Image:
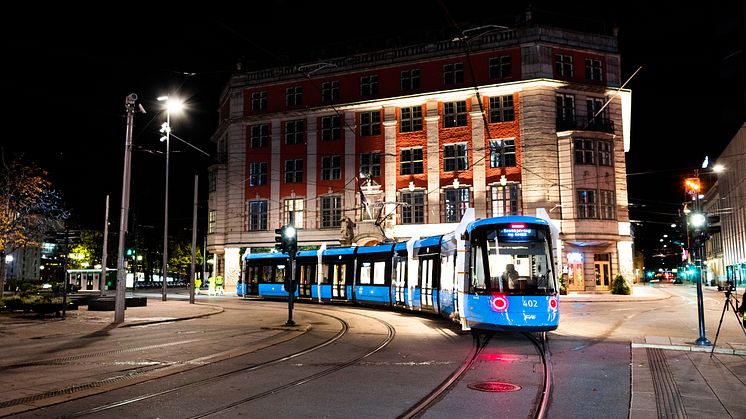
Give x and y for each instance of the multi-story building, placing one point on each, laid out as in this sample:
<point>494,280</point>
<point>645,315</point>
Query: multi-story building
<point>732,190</point>
<point>399,143</point>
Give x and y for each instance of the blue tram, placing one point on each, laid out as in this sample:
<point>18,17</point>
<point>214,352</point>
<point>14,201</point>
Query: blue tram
<point>492,274</point>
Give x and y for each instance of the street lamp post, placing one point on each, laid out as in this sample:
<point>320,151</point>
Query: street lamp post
<point>696,221</point>
<point>171,104</point>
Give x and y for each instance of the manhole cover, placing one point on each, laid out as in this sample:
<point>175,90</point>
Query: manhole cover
<point>494,387</point>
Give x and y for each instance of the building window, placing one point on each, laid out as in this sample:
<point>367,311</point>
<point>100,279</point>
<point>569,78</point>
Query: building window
<point>222,150</point>
<point>369,85</point>
<point>607,205</point>
<point>294,96</point>
<point>258,174</point>
<point>295,132</point>
<point>502,153</point>
<point>584,152</point>
<point>329,91</point>
<point>604,153</point>
<point>294,171</point>
<point>330,168</point>
<point>563,66</point>
<point>455,157</point>
<point>586,204</point>
<point>258,101</point>
<point>413,210</point>
<point>589,151</point>
<point>260,136</point>
<point>370,164</point>
<point>411,119</point>
<point>370,123</point>
<point>410,79</point>
<point>453,73</point>
<point>504,200</point>
<point>456,201</point>
<point>331,128</point>
<point>598,117</point>
<point>257,211</point>
<point>501,109</point>
<point>565,112</point>
<point>212,221</point>
<point>212,181</point>
<point>410,161</point>
<point>454,114</point>
<point>593,70</point>
<point>331,211</point>
<point>500,67</point>
<point>293,212</point>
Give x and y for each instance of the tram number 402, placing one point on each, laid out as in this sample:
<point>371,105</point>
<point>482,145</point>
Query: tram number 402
<point>530,303</point>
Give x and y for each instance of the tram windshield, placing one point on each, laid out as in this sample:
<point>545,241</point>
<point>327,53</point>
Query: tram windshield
<point>513,263</point>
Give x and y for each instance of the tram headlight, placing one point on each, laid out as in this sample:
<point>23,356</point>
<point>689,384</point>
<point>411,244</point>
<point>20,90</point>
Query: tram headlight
<point>499,303</point>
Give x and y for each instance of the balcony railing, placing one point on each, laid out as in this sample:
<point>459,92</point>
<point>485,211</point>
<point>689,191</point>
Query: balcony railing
<point>598,123</point>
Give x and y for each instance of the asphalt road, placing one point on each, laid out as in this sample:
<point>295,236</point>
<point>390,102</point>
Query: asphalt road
<point>339,362</point>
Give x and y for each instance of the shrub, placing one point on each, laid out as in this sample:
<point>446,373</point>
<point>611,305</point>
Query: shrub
<point>619,286</point>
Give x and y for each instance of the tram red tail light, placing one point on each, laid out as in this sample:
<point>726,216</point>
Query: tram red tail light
<point>499,303</point>
<point>553,303</point>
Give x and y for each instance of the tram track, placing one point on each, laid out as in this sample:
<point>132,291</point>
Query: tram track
<point>386,341</point>
<point>479,344</point>
<point>154,372</point>
<point>544,398</point>
<point>304,380</point>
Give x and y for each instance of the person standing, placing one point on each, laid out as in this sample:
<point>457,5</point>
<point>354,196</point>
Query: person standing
<point>197,285</point>
<point>211,285</point>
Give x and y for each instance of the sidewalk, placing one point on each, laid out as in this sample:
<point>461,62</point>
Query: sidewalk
<point>674,377</point>
<point>157,311</point>
<point>640,292</point>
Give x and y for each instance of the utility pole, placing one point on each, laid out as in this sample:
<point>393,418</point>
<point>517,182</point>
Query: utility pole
<point>102,281</point>
<point>194,240</point>
<point>119,302</point>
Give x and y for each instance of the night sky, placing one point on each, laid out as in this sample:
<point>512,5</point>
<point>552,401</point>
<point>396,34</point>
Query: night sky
<point>65,77</point>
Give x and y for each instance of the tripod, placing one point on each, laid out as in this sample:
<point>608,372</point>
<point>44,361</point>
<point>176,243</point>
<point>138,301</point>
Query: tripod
<point>727,303</point>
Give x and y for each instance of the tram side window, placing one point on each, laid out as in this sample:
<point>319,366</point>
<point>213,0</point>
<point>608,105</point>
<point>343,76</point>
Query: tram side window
<point>328,272</point>
<point>379,273</point>
<point>280,274</point>
<point>266,274</point>
<point>477,271</point>
<point>365,273</point>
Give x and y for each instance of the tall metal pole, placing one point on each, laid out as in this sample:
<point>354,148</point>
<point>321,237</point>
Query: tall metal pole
<point>66,279</point>
<point>119,301</point>
<point>194,240</point>
<point>204,260</point>
<point>102,282</point>
<point>702,339</point>
<point>165,216</point>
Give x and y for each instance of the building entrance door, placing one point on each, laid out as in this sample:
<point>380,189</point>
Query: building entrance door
<point>603,274</point>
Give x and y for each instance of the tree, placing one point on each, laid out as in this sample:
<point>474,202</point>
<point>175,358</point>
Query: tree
<point>180,258</point>
<point>87,251</point>
<point>619,286</point>
<point>29,208</point>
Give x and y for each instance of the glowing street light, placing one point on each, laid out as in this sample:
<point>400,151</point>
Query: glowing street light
<point>172,105</point>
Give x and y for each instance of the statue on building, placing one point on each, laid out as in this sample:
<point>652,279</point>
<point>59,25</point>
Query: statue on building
<point>346,231</point>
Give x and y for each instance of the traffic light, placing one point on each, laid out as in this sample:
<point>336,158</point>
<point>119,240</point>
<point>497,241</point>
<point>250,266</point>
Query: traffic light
<point>711,227</point>
<point>279,240</point>
<point>290,239</point>
<point>286,239</point>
